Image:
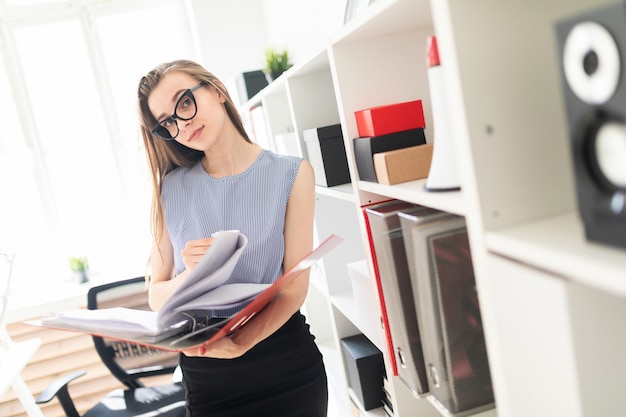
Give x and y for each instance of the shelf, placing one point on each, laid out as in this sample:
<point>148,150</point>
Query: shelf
<point>511,210</point>
<point>341,192</point>
<point>385,18</point>
<point>277,86</point>
<point>318,62</point>
<point>558,245</point>
<point>346,304</point>
<point>413,192</point>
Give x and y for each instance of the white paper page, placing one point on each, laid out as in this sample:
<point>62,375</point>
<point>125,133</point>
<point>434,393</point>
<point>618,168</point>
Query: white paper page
<point>224,297</point>
<point>119,318</point>
<point>119,321</point>
<point>212,271</point>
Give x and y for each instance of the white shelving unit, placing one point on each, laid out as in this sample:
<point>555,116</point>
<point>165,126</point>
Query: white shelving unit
<point>553,304</point>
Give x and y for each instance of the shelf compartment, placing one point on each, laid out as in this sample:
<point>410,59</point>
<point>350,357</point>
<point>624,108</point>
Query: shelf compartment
<point>557,244</point>
<point>346,304</point>
<point>343,192</point>
<point>337,216</point>
<point>387,17</point>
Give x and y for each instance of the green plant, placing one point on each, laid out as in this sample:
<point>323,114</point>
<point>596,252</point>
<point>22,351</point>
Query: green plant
<point>79,263</point>
<point>276,61</point>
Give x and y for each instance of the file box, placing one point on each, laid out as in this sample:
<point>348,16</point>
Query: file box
<point>327,155</point>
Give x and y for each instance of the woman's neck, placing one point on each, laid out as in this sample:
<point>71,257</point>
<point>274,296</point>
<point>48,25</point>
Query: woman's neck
<point>232,159</point>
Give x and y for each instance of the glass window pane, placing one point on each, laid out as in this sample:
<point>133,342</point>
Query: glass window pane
<point>128,58</point>
<point>86,190</point>
<point>22,214</point>
<point>75,139</point>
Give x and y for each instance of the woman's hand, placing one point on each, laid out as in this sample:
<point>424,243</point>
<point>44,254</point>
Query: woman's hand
<point>194,251</point>
<point>225,348</point>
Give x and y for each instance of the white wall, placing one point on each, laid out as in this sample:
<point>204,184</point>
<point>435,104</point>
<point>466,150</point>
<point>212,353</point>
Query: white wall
<point>302,26</point>
<point>234,34</point>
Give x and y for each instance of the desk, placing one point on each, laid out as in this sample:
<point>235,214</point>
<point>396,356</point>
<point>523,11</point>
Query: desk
<point>13,359</point>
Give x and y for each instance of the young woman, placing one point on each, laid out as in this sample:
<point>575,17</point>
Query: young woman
<point>208,176</point>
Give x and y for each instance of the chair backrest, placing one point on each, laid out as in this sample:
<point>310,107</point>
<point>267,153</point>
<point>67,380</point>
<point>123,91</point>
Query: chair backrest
<point>127,361</point>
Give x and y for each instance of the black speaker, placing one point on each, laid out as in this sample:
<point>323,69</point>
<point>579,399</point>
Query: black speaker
<point>592,49</point>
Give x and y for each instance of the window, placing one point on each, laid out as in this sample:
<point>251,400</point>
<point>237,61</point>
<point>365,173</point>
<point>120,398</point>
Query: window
<point>73,177</point>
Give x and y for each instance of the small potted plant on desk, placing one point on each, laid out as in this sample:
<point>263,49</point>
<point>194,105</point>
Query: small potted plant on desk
<point>276,62</point>
<point>80,267</point>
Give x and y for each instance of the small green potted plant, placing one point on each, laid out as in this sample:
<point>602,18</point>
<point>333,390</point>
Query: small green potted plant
<point>80,267</point>
<point>276,62</point>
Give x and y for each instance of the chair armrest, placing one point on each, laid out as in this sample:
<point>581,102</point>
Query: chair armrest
<point>58,388</point>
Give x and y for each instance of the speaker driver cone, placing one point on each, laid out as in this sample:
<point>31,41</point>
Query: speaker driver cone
<point>591,63</point>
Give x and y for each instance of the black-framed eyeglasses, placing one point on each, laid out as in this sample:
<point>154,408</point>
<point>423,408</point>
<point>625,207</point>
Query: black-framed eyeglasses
<point>185,109</point>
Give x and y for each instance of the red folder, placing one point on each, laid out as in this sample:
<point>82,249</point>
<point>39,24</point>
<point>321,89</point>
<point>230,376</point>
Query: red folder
<point>383,309</point>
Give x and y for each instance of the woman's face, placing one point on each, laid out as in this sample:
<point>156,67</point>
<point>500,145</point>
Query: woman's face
<point>202,130</point>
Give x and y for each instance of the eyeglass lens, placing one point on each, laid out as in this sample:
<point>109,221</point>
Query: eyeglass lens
<point>185,110</point>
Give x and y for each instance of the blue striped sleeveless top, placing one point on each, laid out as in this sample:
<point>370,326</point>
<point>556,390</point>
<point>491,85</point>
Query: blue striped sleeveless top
<point>253,202</point>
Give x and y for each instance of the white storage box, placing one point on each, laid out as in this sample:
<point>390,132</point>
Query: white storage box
<point>367,303</point>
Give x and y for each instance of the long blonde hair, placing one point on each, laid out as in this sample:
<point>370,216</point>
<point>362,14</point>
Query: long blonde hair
<point>166,155</point>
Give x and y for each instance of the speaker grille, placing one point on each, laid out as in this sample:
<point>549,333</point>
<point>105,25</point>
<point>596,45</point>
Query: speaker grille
<point>466,364</point>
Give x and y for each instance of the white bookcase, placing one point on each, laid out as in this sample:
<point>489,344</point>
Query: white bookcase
<point>553,304</point>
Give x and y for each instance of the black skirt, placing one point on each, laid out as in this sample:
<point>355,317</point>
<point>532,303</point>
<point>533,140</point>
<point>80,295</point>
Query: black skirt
<point>283,376</point>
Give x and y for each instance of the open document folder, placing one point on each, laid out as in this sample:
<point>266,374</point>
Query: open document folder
<point>185,320</point>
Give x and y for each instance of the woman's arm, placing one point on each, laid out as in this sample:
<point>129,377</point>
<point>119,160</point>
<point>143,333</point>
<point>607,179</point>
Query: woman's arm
<point>161,271</point>
<point>163,282</point>
<point>298,243</point>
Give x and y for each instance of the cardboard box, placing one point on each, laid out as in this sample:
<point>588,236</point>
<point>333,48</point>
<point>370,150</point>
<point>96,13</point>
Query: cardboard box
<point>391,118</point>
<point>403,165</point>
<point>327,154</point>
<point>366,147</point>
<point>365,370</point>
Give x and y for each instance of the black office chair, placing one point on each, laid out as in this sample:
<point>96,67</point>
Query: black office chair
<point>131,364</point>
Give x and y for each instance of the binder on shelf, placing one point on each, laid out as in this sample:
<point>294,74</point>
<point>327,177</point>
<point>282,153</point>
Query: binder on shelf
<point>397,293</point>
<point>387,408</point>
<point>387,399</point>
<point>449,317</point>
